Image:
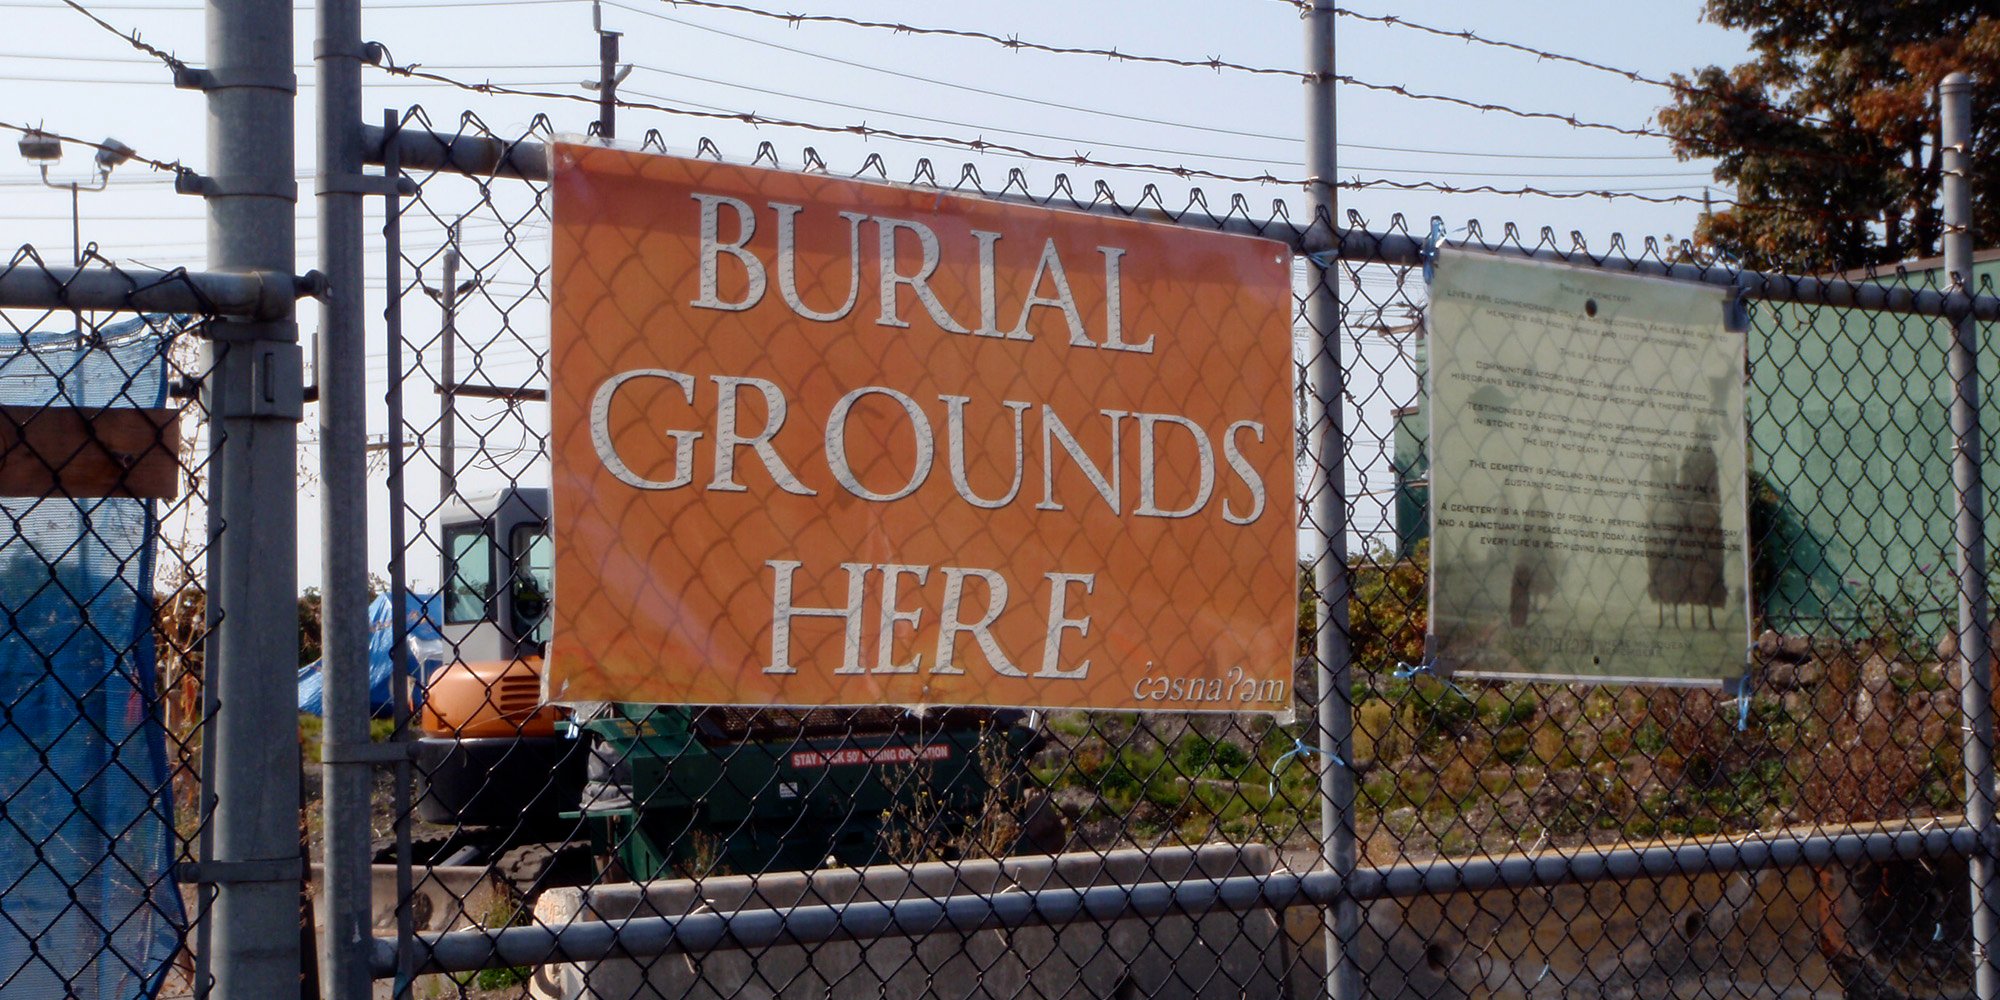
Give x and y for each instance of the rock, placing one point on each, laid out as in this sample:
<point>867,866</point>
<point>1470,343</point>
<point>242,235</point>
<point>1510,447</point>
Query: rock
<point>1875,674</point>
<point>1788,675</point>
<point>1784,648</point>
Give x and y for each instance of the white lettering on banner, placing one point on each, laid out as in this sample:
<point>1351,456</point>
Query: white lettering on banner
<point>785,611</point>
<point>788,278</point>
<point>1049,271</point>
<point>600,431</point>
<point>712,245</point>
<point>870,755</point>
<point>1106,479</point>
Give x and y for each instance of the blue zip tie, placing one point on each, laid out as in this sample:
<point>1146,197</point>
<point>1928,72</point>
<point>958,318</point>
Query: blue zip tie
<point>1937,931</point>
<point>1743,704</point>
<point>1538,979</point>
<point>1300,748</point>
<point>1406,672</point>
<point>1428,253</point>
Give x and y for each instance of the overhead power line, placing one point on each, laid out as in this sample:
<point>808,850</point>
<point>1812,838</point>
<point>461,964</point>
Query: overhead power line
<point>1215,63</point>
<point>1285,160</point>
<point>981,145</point>
<point>1121,116</point>
<point>171,166</point>
<point>1015,42</point>
<point>130,38</point>
<point>1470,37</point>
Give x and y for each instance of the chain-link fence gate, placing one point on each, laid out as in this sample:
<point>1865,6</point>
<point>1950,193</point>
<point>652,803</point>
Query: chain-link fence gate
<point>1805,834</point>
<point>108,720</point>
<point>1824,829</point>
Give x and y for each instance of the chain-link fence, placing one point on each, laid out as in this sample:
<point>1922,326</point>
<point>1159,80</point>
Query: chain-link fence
<point>1799,834</point>
<point>104,716</point>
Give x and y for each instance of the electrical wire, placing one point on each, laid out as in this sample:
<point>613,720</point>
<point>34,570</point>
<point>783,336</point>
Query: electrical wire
<point>130,38</point>
<point>1080,109</point>
<point>171,166</point>
<point>1016,43</point>
<point>1118,145</point>
<point>983,146</point>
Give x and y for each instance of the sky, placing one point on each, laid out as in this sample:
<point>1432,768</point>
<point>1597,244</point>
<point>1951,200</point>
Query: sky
<point>61,71</point>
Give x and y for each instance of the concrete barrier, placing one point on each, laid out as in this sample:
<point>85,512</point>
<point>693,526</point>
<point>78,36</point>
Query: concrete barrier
<point>1192,957</point>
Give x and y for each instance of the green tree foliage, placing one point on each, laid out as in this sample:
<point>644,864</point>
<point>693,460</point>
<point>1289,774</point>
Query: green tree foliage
<point>1830,133</point>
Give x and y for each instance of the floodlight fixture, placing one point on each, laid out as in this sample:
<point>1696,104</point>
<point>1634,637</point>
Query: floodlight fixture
<point>111,154</point>
<point>40,147</point>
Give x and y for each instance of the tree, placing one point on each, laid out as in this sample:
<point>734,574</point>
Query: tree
<point>1830,134</point>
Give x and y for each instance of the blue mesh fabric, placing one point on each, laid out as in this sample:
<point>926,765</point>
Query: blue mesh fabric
<point>88,903</point>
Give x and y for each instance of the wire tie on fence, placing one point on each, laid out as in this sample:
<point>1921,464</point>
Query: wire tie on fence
<point>1409,672</point>
<point>1538,979</point>
<point>1429,252</point>
<point>1300,748</point>
<point>1743,703</point>
<point>1937,931</point>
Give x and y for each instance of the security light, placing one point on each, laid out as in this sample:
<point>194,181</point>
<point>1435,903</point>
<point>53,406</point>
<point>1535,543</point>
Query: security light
<point>40,147</point>
<point>110,155</point>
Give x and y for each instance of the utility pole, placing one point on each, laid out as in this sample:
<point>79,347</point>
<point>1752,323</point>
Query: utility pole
<point>447,298</point>
<point>253,394</point>
<point>1332,583</point>
<point>609,74</point>
<point>1975,654</point>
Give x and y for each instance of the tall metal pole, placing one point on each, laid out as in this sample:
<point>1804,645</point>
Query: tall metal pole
<point>75,225</point>
<point>343,465</point>
<point>607,83</point>
<point>253,394</point>
<point>448,372</point>
<point>1975,659</point>
<point>1328,507</point>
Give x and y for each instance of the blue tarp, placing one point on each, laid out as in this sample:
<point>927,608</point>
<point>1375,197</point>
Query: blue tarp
<point>86,853</point>
<point>421,613</point>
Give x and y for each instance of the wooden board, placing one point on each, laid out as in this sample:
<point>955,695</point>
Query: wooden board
<point>68,451</point>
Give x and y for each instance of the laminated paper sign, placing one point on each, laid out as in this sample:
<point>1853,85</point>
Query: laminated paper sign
<point>825,442</point>
<point>1587,474</point>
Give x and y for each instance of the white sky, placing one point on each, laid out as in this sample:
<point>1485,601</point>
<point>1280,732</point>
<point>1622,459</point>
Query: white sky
<point>58,69</point>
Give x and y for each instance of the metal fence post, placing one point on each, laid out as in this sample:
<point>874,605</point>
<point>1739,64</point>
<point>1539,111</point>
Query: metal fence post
<point>1328,511</point>
<point>255,400</point>
<point>343,434</point>
<point>1975,660</point>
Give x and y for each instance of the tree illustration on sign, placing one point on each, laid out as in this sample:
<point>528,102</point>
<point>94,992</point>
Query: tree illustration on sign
<point>1685,558</point>
<point>1534,571</point>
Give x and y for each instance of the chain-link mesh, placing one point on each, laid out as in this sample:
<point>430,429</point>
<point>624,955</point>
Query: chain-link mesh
<point>525,816</point>
<point>104,535</point>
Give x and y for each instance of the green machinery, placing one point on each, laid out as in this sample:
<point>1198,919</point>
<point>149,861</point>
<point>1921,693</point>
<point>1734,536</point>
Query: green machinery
<point>666,790</point>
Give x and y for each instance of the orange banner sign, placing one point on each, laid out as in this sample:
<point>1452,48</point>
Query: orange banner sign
<point>822,442</point>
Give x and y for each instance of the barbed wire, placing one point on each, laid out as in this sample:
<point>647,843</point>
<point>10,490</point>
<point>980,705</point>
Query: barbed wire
<point>1216,63</point>
<point>1017,43</point>
<point>130,38</point>
<point>866,131</point>
<point>1443,188</point>
<point>174,167</point>
<point>1471,37</point>
<point>1054,137</point>
<point>980,145</point>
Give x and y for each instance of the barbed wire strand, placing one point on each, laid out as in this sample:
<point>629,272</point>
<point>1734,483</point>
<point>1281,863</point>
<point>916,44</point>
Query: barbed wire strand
<point>1015,42</point>
<point>130,38</point>
<point>1471,37</point>
<point>980,145</point>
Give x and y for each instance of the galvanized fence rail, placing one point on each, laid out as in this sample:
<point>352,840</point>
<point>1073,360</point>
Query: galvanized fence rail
<point>1827,829</point>
<point>1811,835</point>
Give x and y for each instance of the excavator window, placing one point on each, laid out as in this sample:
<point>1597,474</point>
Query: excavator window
<point>468,575</point>
<point>533,572</point>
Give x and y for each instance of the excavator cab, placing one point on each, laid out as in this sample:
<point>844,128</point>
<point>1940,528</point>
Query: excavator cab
<point>659,788</point>
<point>487,737</point>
